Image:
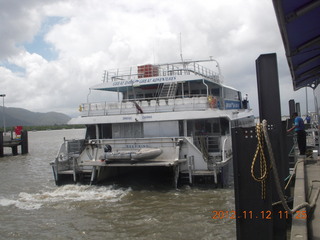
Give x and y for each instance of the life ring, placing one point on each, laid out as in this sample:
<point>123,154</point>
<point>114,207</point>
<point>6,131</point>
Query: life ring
<point>212,101</point>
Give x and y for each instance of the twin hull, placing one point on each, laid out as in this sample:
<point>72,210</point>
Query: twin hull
<point>86,161</point>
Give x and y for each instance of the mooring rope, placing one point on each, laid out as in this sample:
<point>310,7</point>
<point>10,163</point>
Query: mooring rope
<point>263,162</point>
<point>277,180</point>
<point>293,173</point>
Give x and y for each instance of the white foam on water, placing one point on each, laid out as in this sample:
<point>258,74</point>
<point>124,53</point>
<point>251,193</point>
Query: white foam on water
<point>65,194</point>
<point>6,202</point>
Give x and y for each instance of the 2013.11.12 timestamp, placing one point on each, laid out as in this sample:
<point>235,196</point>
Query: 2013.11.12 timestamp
<point>268,214</point>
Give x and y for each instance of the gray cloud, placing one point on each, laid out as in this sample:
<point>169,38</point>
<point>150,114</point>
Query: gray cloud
<point>18,24</point>
<point>97,35</point>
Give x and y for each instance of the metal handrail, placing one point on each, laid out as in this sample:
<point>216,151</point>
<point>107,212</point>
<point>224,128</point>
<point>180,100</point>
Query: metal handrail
<point>118,108</point>
<point>180,68</point>
<point>224,152</point>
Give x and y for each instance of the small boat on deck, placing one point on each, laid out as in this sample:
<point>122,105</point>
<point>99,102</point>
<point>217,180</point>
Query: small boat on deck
<point>140,154</point>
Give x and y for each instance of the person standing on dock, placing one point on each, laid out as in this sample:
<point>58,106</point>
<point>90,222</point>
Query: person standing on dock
<point>308,119</point>
<point>301,133</point>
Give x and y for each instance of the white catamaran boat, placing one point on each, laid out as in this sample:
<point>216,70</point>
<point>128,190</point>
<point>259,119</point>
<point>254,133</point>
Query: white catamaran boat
<point>175,117</point>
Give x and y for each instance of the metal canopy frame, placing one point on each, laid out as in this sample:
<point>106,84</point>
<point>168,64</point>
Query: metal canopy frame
<point>300,29</point>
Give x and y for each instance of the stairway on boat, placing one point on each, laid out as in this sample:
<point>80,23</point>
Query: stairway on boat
<point>83,176</point>
<point>66,168</point>
<point>168,90</point>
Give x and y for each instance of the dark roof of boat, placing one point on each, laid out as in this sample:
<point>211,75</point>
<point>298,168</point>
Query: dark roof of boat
<point>300,29</point>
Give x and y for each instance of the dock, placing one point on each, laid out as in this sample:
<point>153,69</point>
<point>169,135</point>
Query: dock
<point>259,206</point>
<point>306,222</point>
<point>7,141</point>
<point>296,19</point>
<point>276,188</point>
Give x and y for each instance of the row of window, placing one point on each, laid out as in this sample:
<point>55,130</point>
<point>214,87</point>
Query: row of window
<point>213,92</point>
<point>228,93</point>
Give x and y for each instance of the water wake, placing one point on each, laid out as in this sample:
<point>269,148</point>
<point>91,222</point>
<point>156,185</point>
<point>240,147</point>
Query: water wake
<point>66,194</point>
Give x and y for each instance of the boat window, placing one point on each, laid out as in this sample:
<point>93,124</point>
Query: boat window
<point>206,133</point>
<point>203,127</point>
<point>127,130</point>
<point>215,92</point>
<point>224,126</point>
<point>190,131</point>
<point>194,92</point>
<point>181,132</point>
<point>91,132</point>
<point>216,127</point>
<point>105,131</point>
<point>161,129</point>
<point>149,95</point>
<point>231,94</point>
<point>139,96</point>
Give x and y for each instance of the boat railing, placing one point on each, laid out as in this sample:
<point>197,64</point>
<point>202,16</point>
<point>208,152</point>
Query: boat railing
<point>182,68</point>
<point>226,150</point>
<point>196,103</point>
<point>69,150</point>
<point>207,144</point>
<point>135,143</point>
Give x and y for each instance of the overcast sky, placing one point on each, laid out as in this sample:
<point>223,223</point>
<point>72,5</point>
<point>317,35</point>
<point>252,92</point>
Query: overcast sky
<point>52,51</point>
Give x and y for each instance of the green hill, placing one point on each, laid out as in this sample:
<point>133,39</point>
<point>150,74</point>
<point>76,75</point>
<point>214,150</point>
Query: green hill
<point>23,117</point>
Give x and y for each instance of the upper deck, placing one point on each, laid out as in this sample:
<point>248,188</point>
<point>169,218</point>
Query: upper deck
<point>151,74</point>
<point>174,87</point>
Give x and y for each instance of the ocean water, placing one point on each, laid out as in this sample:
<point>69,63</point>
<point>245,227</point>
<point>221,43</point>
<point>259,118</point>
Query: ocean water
<point>33,207</point>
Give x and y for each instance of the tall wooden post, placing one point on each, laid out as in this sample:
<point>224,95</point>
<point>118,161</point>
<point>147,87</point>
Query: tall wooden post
<point>256,217</point>
<point>14,150</point>
<point>1,144</point>
<point>270,110</point>
<point>24,142</point>
<point>253,211</point>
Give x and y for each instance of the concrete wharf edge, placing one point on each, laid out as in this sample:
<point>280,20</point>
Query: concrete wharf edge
<point>306,183</point>
<point>299,228</point>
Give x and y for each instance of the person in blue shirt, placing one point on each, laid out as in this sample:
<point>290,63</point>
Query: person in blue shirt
<point>301,133</point>
<point>308,119</point>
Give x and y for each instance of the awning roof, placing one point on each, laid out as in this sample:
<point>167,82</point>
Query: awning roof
<point>299,23</point>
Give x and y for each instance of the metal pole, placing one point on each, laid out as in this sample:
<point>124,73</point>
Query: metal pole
<point>3,117</point>
<point>316,106</point>
<point>307,110</point>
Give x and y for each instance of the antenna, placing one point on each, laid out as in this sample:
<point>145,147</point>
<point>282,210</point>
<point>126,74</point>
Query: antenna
<point>181,48</point>
<point>104,76</point>
<point>153,51</point>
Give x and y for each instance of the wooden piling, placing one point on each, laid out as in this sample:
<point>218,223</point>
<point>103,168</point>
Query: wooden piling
<point>253,200</point>
<point>14,150</point>
<point>1,144</point>
<point>254,183</point>
<point>24,142</point>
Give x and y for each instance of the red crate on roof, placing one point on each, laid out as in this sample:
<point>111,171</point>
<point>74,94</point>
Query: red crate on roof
<point>148,70</point>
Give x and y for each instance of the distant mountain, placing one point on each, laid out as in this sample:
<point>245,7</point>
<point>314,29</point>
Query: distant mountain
<point>23,117</point>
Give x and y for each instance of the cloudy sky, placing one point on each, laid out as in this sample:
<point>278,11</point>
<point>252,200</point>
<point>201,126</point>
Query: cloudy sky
<point>52,51</point>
